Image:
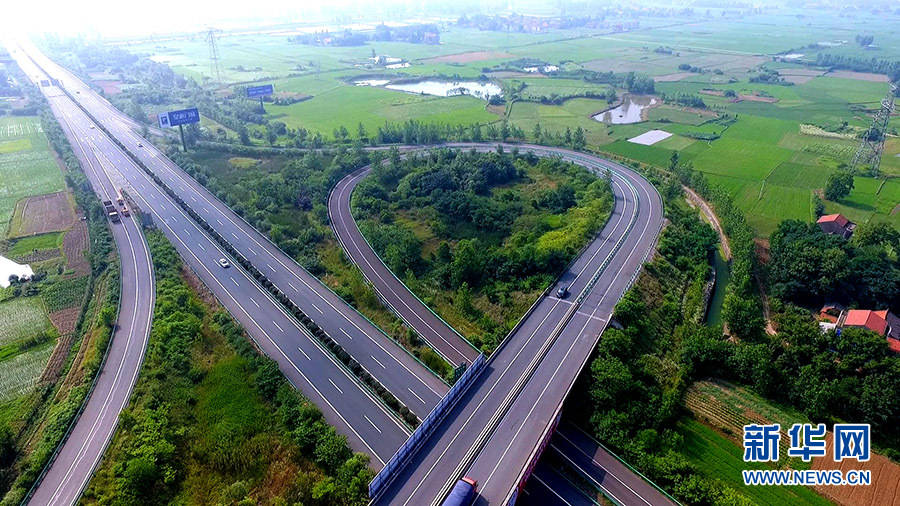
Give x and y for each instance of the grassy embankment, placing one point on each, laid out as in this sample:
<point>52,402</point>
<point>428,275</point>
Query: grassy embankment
<point>213,421</point>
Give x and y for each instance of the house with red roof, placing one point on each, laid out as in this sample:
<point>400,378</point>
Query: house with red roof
<point>883,323</point>
<point>836,224</point>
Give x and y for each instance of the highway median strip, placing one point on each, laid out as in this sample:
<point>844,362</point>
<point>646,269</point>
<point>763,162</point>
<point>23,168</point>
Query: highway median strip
<point>362,375</point>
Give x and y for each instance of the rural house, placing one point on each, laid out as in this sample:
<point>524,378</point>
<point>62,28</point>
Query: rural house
<point>883,323</point>
<point>836,224</point>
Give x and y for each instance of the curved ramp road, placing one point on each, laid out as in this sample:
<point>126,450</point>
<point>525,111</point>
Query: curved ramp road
<point>404,376</point>
<point>494,431</point>
<point>353,410</point>
<point>81,452</point>
<point>443,338</point>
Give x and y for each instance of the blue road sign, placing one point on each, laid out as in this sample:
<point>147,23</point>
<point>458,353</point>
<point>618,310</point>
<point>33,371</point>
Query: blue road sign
<point>181,117</point>
<point>260,91</point>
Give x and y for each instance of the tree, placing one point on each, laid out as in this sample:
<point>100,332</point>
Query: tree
<point>673,161</point>
<point>743,315</point>
<point>839,185</point>
<point>578,141</point>
<point>536,133</point>
<point>467,265</point>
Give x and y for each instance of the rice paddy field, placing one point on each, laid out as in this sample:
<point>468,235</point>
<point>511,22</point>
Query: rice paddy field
<point>27,166</point>
<point>23,353</point>
<point>772,159</point>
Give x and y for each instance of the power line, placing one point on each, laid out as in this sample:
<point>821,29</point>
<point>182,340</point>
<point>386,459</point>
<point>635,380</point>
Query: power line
<point>214,67</point>
<point>872,144</point>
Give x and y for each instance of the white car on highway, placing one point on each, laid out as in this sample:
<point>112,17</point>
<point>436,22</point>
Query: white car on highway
<point>224,263</point>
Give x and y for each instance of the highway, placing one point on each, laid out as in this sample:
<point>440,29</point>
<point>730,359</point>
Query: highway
<point>369,426</point>
<point>494,431</point>
<point>401,373</point>
<point>441,336</point>
<point>604,471</point>
<point>81,452</point>
<point>486,435</point>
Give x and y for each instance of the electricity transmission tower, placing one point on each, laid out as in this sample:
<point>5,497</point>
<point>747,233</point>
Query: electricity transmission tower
<point>214,68</point>
<point>872,144</point>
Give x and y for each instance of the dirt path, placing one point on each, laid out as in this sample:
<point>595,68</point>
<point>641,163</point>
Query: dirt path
<point>707,211</point>
<point>696,200</point>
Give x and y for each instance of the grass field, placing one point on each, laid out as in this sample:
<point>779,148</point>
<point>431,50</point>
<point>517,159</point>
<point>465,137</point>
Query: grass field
<point>25,245</point>
<point>21,318</point>
<point>20,373</point>
<point>26,165</point>
<point>720,459</point>
<point>766,161</point>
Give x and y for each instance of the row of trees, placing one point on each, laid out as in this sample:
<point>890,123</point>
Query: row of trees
<point>741,309</point>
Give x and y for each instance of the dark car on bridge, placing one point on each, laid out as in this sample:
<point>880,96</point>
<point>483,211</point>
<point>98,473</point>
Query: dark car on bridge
<point>563,292</point>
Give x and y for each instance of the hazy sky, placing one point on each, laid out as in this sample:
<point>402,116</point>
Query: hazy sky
<point>123,17</point>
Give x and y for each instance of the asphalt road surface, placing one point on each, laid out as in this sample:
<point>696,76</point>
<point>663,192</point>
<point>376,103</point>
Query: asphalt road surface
<point>401,373</point>
<point>79,455</point>
<point>353,410</point>
<point>602,470</point>
<point>441,336</point>
<point>502,399</point>
<point>494,431</point>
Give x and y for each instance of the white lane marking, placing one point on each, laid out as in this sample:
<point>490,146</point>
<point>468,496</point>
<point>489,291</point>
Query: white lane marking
<point>417,395</point>
<point>337,387</point>
<point>320,311</point>
<point>234,235</point>
<point>502,374</point>
<point>292,286</point>
<point>548,487</point>
<point>220,222</point>
<point>251,251</point>
<point>348,335</point>
<point>373,423</point>
<point>304,354</point>
<point>270,267</point>
<point>315,292</point>
<point>254,302</point>
<point>279,326</point>
<point>233,281</point>
<point>595,482</point>
<point>377,362</point>
<point>201,246</point>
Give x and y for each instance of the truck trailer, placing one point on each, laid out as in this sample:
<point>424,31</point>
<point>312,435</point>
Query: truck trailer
<point>462,494</point>
<point>111,212</point>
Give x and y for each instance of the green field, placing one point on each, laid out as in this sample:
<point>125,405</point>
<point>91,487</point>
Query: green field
<point>26,245</point>
<point>763,158</point>
<point>720,459</point>
<point>22,318</point>
<point>20,373</point>
<point>65,293</point>
<point>27,167</point>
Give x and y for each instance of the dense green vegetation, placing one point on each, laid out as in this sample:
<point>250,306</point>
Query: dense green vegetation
<point>212,420</point>
<point>479,235</point>
<point>810,267</point>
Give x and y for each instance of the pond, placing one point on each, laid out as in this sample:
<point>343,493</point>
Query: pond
<point>449,88</point>
<point>628,112</point>
<point>371,82</point>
